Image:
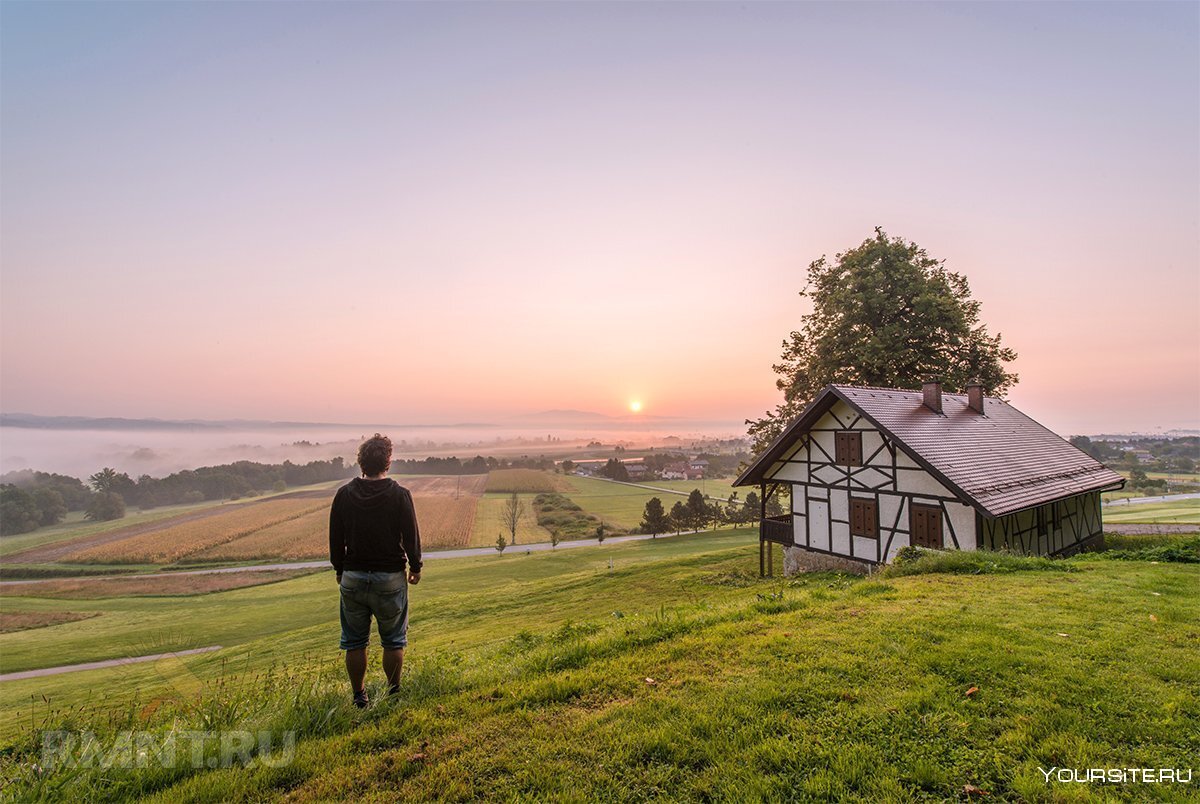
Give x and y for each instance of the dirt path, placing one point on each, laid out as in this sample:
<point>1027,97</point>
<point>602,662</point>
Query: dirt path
<point>71,668</point>
<point>53,552</point>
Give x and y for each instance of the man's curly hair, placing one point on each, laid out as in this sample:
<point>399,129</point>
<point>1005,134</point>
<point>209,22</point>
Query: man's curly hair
<point>375,455</point>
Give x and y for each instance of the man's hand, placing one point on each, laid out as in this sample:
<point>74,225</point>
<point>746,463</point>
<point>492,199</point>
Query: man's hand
<point>414,578</point>
<point>339,579</point>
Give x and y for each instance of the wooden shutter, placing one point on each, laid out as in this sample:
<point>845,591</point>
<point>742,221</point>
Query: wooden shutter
<point>864,518</point>
<point>847,448</point>
<point>925,526</point>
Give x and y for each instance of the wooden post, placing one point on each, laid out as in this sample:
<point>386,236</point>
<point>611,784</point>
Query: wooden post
<point>770,560</point>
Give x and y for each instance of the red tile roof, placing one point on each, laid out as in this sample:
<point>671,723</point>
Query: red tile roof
<point>1000,462</point>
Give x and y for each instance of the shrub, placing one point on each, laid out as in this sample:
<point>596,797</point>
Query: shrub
<point>106,505</point>
<point>916,561</point>
<point>1185,551</point>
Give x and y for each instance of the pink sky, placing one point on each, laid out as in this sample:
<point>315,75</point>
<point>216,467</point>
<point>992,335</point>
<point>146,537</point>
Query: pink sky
<point>403,212</point>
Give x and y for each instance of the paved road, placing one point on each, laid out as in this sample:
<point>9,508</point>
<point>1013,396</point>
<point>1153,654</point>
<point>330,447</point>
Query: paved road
<point>71,668</point>
<point>534,547</point>
<point>1162,498</point>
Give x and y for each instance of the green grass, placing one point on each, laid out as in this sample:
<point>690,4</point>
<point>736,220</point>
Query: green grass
<point>1185,512</point>
<point>679,674</point>
<point>489,521</point>
<point>622,504</point>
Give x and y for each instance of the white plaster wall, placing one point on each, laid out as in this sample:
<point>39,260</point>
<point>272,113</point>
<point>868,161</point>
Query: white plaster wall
<point>921,482</point>
<point>963,517</point>
<point>795,472</point>
<point>818,525</point>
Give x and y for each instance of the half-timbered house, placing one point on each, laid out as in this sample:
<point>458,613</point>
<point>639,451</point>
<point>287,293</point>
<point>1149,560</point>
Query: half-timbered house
<point>872,470</point>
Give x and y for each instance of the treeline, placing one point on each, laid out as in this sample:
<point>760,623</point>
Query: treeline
<point>478,465</point>
<point>1166,454</point>
<point>700,512</point>
<point>29,499</point>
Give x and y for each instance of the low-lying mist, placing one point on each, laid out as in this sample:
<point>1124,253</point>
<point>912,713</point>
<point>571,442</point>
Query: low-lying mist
<point>159,452</point>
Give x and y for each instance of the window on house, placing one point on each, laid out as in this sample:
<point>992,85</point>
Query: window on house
<point>847,448</point>
<point>925,526</point>
<point>864,518</point>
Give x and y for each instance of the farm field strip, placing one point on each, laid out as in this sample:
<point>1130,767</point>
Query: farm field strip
<point>524,481</point>
<point>176,586</point>
<point>13,621</point>
<point>444,521</point>
<point>443,485</point>
<point>162,546</point>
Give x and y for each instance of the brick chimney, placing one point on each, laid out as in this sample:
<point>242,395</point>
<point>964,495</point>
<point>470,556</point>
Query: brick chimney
<point>975,396</point>
<point>932,391</point>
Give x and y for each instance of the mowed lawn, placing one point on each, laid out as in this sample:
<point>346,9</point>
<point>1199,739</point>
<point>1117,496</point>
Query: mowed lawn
<point>678,674</point>
<point>1184,512</point>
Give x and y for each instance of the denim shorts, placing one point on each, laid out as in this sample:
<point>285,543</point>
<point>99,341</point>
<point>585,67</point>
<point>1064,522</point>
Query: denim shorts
<point>382,594</point>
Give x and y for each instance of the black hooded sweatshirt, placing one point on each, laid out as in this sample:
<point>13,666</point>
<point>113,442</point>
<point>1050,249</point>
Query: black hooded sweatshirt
<point>373,527</point>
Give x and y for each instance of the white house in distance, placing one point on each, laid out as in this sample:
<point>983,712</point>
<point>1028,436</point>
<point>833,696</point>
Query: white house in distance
<point>872,470</point>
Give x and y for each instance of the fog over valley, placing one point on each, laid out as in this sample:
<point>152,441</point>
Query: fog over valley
<point>80,447</point>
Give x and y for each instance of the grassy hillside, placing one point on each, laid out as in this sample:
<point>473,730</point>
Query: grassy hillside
<point>678,673</point>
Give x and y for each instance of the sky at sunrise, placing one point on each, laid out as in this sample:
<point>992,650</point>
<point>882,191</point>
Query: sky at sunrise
<point>406,212</point>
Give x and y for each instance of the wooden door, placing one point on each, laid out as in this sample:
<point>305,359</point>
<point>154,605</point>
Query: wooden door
<point>925,526</point>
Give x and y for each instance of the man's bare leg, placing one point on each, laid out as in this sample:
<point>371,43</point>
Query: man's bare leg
<point>356,668</point>
<point>393,663</point>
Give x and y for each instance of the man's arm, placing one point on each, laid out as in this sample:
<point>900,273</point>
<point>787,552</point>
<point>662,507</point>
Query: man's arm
<point>410,534</point>
<point>337,536</point>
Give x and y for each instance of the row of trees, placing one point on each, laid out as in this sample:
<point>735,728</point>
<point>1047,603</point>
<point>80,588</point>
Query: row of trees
<point>700,512</point>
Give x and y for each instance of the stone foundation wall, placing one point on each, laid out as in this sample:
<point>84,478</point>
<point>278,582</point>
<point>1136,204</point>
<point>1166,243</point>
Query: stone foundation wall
<point>797,559</point>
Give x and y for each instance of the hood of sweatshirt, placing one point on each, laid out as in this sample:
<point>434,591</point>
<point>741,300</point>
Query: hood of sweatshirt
<point>370,493</point>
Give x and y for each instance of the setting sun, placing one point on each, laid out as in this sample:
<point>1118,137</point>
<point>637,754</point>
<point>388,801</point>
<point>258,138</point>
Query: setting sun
<point>635,406</point>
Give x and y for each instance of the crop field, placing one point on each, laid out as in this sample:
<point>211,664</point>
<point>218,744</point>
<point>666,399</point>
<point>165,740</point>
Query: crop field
<point>523,481</point>
<point>75,527</point>
<point>1183,512</point>
<point>132,586</point>
<point>164,545</point>
<point>11,621</point>
<point>304,537</point>
<point>443,485</point>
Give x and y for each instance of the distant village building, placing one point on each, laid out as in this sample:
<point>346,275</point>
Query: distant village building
<point>699,465</point>
<point>1142,455</point>
<point>637,471</point>
<point>872,470</point>
<point>682,470</point>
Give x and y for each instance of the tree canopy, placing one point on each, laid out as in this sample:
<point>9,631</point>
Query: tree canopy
<point>884,314</point>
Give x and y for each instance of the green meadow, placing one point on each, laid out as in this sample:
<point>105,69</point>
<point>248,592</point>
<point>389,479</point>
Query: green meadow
<point>1182,512</point>
<point>656,669</point>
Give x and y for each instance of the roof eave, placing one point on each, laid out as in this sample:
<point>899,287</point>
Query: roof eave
<point>754,472</point>
<point>1117,486</point>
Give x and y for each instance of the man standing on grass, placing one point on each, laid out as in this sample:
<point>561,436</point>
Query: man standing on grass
<point>372,537</point>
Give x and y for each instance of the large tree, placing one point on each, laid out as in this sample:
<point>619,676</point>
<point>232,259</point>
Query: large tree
<point>655,519</point>
<point>885,314</point>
